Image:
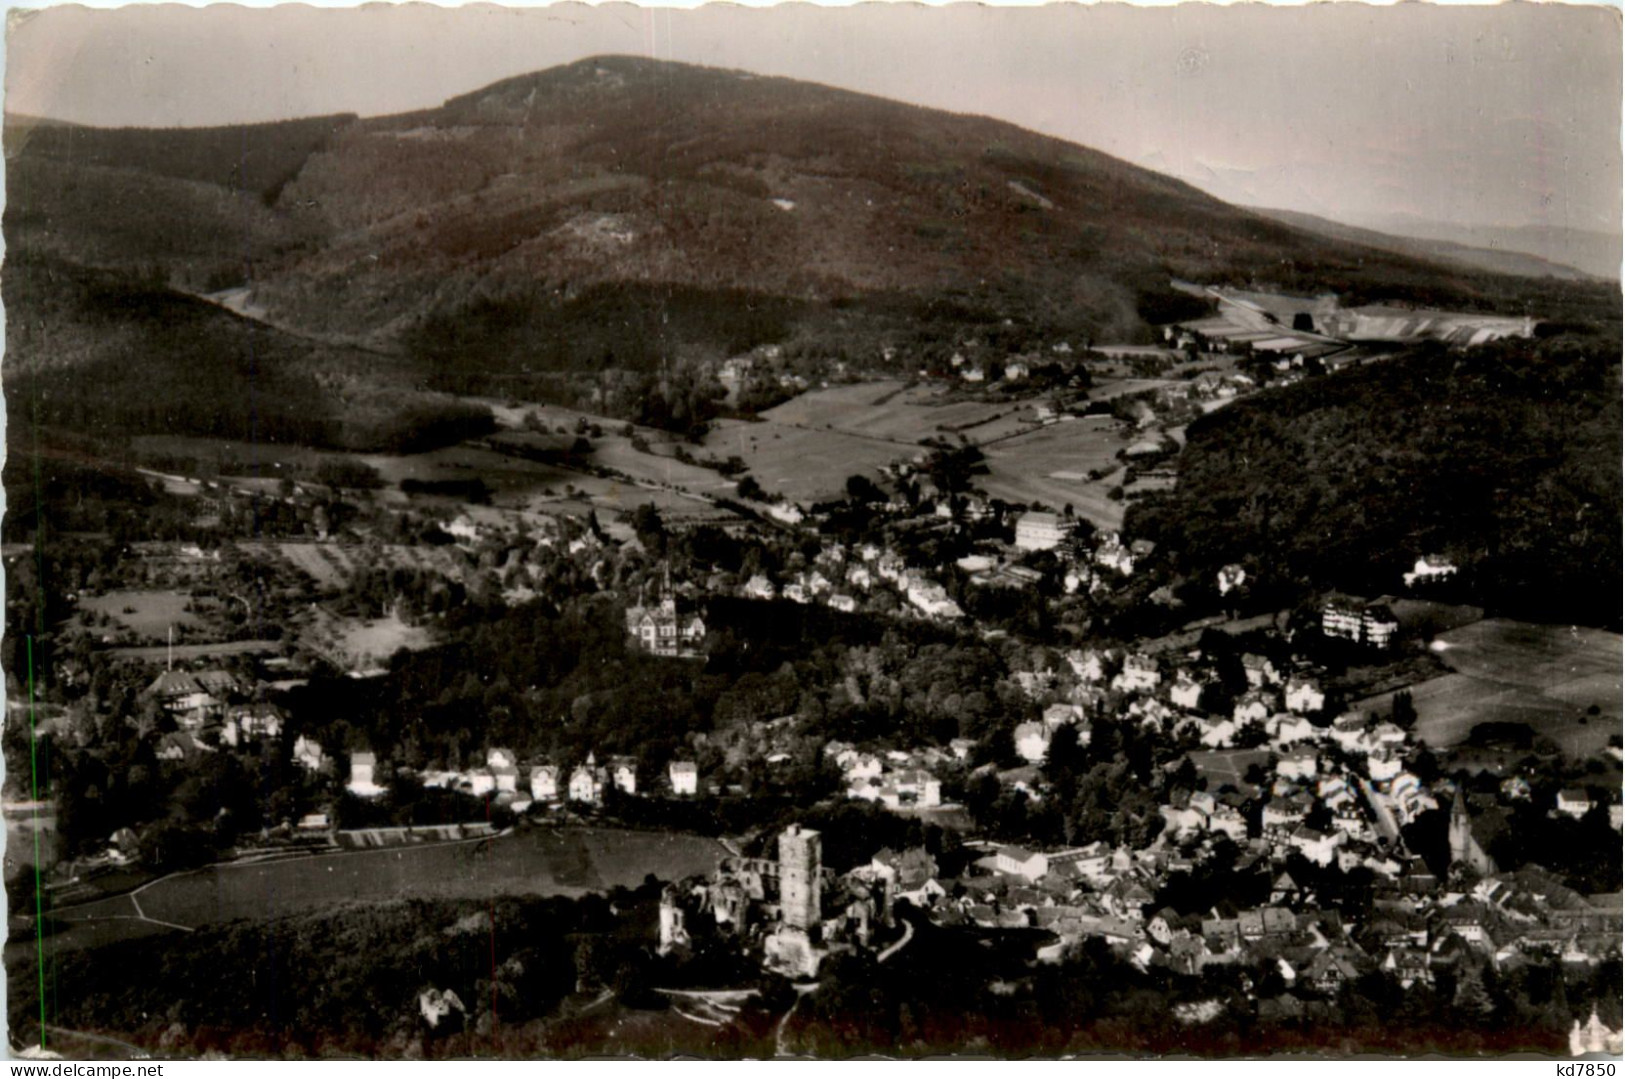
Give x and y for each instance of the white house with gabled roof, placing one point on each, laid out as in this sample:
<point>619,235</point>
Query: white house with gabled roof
<point>1139,673</point>
<point>1252,707</point>
<point>586,782</point>
<point>362,783</point>
<point>1304,695</point>
<point>1032,741</point>
<point>1185,691</point>
<point>1021,862</point>
<point>1430,569</point>
<point>1286,729</point>
<point>1574,802</point>
<point>684,777</point>
<point>1260,670</point>
<point>1297,764</point>
<point>624,774</point>
<point>1231,577</point>
<point>308,754</point>
<point>1089,664</point>
<point>1383,764</point>
<point>1349,730</point>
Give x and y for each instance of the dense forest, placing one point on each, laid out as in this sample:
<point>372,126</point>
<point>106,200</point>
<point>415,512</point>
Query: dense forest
<point>104,355</point>
<point>1504,457</point>
<point>629,325</point>
<point>249,157</point>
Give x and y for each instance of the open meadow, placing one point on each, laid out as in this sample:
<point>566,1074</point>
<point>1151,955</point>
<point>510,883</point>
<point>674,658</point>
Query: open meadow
<point>1503,671</point>
<point>660,467</point>
<point>536,861</point>
<point>806,447</point>
<point>361,643</point>
<point>679,490</point>
<point>327,565</point>
<point>513,481</point>
<point>1050,466</point>
<point>30,841</point>
<point>801,463</point>
<point>332,565</point>
<point>1107,389</point>
<point>264,458</point>
<point>145,613</point>
<point>898,412</point>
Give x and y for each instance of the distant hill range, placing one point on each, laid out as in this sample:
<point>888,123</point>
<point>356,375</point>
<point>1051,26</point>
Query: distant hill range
<point>1596,253</point>
<point>625,213</point>
<point>1567,254</point>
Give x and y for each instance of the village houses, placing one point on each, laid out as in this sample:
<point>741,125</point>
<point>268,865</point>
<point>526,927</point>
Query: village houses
<point>1139,672</point>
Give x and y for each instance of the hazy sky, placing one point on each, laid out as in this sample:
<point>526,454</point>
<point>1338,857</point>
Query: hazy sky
<point>1471,115</point>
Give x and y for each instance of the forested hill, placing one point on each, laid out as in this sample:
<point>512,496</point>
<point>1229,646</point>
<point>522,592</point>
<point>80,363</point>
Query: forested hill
<point>96,353</point>
<point>1505,457</point>
<point>256,158</point>
<point>627,211</point>
<point>593,223</point>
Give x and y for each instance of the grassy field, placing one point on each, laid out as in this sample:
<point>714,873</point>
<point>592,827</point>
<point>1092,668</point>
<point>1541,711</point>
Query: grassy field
<point>1571,664</point>
<point>1106,389</point>
<point>380,638</point>
<point>1014,419</point>
<point>516,482</point>
<point>540,861</point>
<point>268,456</point>
<point>362,642</point>
<point>76,935</point>
<point>1043,467</point>
<point>149,614</point>
<point>657,477</point>
<point>860,408</point>
<point>1025,463</point>
<point>803,464</point>
<point>660,467</point>
<point>513,481</point>
<point>806,447</point>
<point>1427,618</point>
<point>332,564</point>
<point>800,463</point>
<point>893,411</point>
<point>1517,672</point>
<point>804,450</point>
<point>326,566</point>
<point>22,838</point>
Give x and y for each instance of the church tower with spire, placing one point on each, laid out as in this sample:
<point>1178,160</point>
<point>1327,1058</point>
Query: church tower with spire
<point>1466,852</point>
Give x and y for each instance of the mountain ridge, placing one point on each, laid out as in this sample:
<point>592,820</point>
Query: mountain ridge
<point>1594,251</point>
<point>1493,260</point>
<point>619,212</point>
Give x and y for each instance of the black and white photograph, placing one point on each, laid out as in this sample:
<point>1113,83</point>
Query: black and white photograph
<point>573,532</point>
